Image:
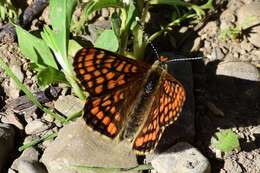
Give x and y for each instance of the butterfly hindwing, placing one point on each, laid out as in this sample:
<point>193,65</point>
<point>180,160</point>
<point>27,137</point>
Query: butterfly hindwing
<point>165,111</point>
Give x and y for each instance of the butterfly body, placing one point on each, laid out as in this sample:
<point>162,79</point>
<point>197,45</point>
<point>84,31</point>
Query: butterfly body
<point>128,99</point>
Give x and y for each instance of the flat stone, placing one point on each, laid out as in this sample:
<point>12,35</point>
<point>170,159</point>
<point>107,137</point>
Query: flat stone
<point>241,70</point>
<point>249,17</point>
<point>68,105</point>
<point>7,136</point>
<point>29,154</point>
<point>183,158</point>
<point>28,167</point>
<point>36,126</point>
<point>77,145</point>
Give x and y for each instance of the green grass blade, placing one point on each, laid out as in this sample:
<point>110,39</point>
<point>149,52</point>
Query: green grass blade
<point>37,141</point>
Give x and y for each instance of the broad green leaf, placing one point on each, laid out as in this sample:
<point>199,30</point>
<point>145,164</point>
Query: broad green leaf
<point>226,140</point>
<point>107,40</point>
<point>35,49</point>
<point>50,76</point>
<point>60,15</point>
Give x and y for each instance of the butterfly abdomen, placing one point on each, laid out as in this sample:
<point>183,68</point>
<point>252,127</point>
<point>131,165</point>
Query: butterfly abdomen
<point>144,100</point>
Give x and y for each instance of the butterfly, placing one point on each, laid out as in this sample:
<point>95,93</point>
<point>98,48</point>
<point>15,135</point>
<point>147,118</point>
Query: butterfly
<point>128,99</point>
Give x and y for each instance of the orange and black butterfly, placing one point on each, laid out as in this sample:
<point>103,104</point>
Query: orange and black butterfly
<point>128,99</point>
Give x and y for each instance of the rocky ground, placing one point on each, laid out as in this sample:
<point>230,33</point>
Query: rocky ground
<point>223,92</point>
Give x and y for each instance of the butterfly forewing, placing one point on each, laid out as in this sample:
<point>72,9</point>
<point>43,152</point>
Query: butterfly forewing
<point>101,71</point>
<point>112,82</point>
<point>165,110</point>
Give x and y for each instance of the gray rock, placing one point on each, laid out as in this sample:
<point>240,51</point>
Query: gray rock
<point>216,54</point>
<point>249,17</point>
<point>231,166</point>
<point>28,167</point>
<point>76,145</point>
<point>183,158</point>
<point>68,105</point>
<point>239,70</point>
<point>36,126</point>
<point>7,136</point>
<point>29,155</point>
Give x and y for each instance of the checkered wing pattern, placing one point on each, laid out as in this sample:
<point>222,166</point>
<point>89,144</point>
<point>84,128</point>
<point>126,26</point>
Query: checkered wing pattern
<point>165,110</point>
<point>112,82</point>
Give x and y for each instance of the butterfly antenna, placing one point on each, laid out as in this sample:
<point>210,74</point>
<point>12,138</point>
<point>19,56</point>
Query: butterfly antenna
<point>186,59</point>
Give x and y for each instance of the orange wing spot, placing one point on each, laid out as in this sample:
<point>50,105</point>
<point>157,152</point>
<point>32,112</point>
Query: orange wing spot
<point>174,104</point>
<point>91,68</point>
<point>134,69</point>
<point>99,89</point>
<point>121,96</point>
<point>139,141</point>
<point>117,117</point>
<point>162,119</point>
<point>80,65</point>
<point>121,82</point>
<point>104,70</point>
<point>127,68</point>
<point>100,115</point>
<point>82,71</point>
<point>107,108</point>
<point>80,58</point>
<point>88,63</point>
<point>120,66</point>
<point>144,129</point>
<point>112,129</point>
<point>106,103</point>
<point>161,108</point>
<point>122,76</point>
<point>106,120</point>
<point>110,75</point>
<point>154,124</point>
<point>166,119</point>
<point>150,136</point>
<point>108,65</point>
<point>100,80</point>
<point>146,138</point>
<point>111,84</point>
<point>117,96</point>
<point>100,55</point>
<point>165,110</point>
<point>170,114</point>
<point>109,60</point>
<point>98,61</point>
<point>87,77</point>
<point>97,73</point>
<point>174,113</point>
<point>94,110</point>
<point>170,106</point>
<point>154,135</point>
<point>113,110</point>
<point>89,56</point>
<point>96,102</point>
<point>90,84</point>
<point>105,98</point>
<point>150,127</point>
